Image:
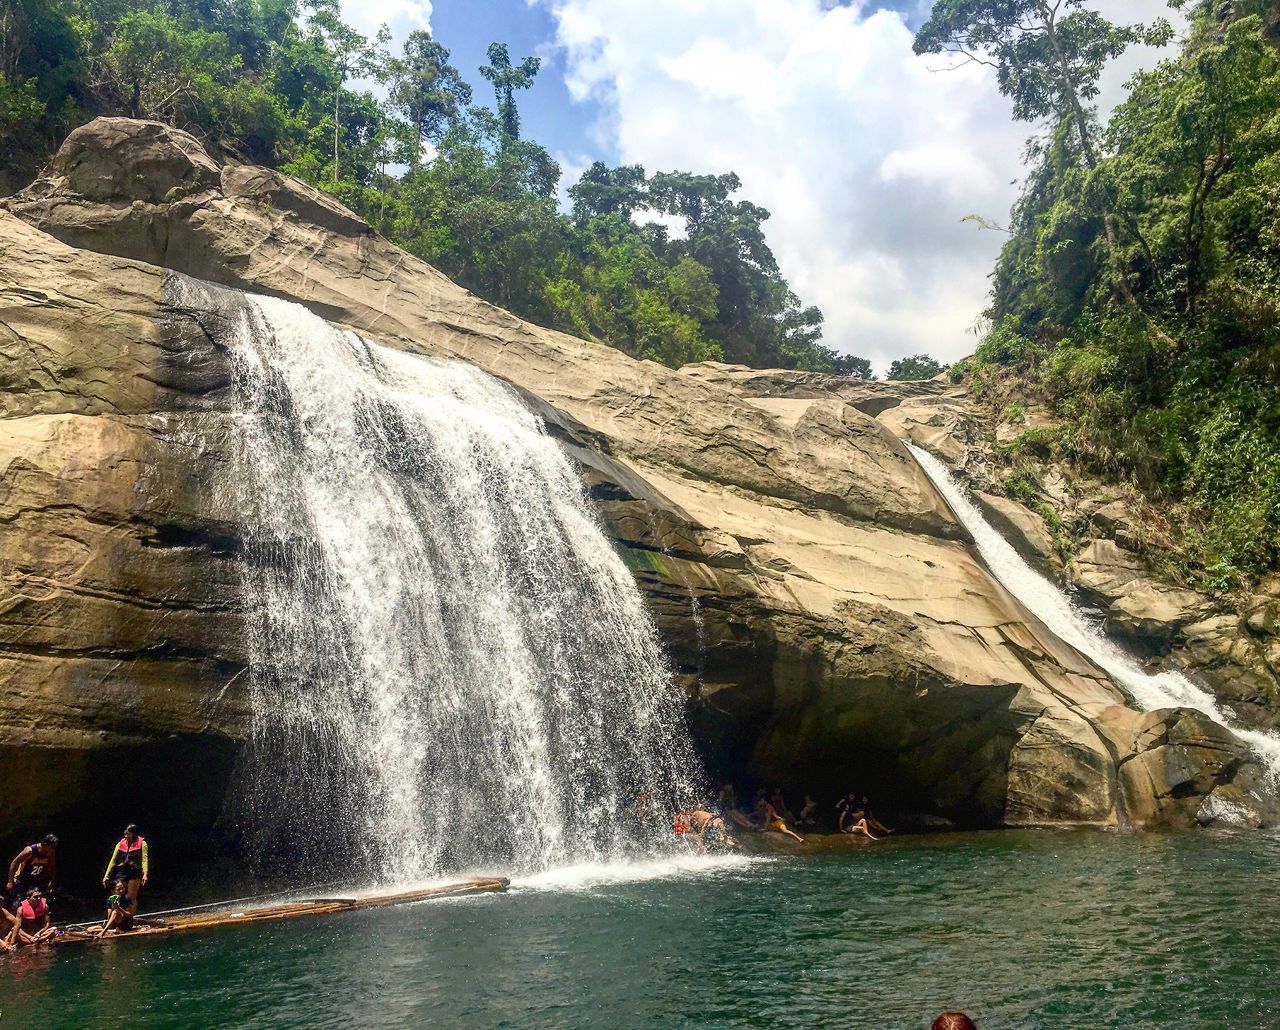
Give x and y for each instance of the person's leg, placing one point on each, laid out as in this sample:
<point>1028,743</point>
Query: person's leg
<point>132,888</point>
<point>864,829</point>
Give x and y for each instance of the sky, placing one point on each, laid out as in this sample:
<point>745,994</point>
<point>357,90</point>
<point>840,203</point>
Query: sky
<point>867,156</point>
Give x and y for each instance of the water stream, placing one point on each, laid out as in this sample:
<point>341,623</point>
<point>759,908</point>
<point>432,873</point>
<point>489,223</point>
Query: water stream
<point>453,667</point>
<point>1054,607</point>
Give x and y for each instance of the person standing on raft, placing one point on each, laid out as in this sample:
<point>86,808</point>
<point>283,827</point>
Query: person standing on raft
<point>34,866</point>
<point>129,863</point>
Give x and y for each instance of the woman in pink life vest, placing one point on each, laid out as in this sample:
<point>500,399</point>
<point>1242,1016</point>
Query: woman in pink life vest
<point>129,863</point>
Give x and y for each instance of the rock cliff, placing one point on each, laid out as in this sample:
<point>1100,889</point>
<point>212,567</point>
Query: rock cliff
<point>828,619</point>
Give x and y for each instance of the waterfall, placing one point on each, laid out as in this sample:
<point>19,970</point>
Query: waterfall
<point>1054,607</point>
<point>453,666</point>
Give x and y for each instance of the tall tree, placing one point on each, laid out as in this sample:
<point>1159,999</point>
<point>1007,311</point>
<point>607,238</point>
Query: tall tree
<point>506,79</point>
<point>427,89</point>
<point>351,54</point>
<point>1048,56</point>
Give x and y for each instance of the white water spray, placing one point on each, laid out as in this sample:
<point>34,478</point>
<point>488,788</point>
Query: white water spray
<point>1052,606</point>
<point>453,667</point>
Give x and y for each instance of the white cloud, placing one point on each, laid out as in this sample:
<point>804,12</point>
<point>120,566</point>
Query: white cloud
<point>400,16</point>
<point>867,156</point>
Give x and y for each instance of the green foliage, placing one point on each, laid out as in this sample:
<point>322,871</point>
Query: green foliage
<point>1139,292</point>
<point>269,80</point>
<point>918,366</point>
<point>1019,485</point>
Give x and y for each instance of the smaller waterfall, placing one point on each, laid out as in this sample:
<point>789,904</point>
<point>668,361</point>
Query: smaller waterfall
<point>1054,607</point>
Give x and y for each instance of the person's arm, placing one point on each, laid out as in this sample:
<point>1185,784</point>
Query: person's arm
<point>144,862</point>
<point>53,871</point>
<point>19,863</point>
<point>115,854</point>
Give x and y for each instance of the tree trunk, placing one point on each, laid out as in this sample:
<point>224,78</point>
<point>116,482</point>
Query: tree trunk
<point>337,96</point>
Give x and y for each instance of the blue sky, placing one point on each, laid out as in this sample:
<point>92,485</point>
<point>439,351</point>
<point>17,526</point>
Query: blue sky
<point>868,156</point>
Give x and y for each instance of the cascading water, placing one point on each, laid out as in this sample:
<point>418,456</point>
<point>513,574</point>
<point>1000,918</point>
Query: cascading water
<point>454,667</point>
<point>1052,606</point>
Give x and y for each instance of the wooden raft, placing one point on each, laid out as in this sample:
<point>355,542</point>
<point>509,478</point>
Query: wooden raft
<point>291,910</point>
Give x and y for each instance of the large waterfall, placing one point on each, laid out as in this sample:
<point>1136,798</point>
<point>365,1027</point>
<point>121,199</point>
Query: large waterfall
<point>1054,607</point>
<point>453,665</point>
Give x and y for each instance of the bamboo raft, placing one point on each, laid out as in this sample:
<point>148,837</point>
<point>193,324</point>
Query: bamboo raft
<point>152,926</point>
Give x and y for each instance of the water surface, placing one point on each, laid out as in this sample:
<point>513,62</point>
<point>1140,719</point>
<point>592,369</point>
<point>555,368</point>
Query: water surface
<point>1038,928</point>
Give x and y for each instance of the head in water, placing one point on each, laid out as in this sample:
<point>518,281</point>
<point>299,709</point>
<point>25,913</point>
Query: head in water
<point>953,1021</point>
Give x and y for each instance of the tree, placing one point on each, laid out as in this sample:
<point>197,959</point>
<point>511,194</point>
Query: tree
<point>427,89</point>
<point>351,55</point>
<point>854,368</point>
<point>608,191</point>
<point>506,79</point>
<point>1048,56</point>
<point>918,366</point>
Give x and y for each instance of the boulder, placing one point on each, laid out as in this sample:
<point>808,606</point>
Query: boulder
<point>1022,527</point>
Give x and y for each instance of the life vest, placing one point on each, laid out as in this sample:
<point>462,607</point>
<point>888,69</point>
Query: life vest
<point>130,854</point>
<point>32,913</point>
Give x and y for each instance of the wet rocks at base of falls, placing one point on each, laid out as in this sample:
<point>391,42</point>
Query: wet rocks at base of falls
<point>827,619</point>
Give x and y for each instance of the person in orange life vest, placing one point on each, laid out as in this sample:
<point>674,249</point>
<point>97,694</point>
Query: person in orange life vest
<point>34,866</point>
<point>32,924</point>
<point>129,863</point>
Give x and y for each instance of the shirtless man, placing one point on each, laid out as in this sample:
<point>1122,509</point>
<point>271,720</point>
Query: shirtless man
<point>710,828</point>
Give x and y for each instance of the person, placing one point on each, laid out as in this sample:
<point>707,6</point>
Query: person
<point>32,923</point>
<point>710,828</point>
<point>728,799</point>
<point>779,805</point>
<point>774,821</point>
<point>953,1021</point>
<point>809,813</point>
<point>852,817</point>
<point>34,866</point>
<point>119,915</point>
<point>874,823</point>
<point>129,863</point>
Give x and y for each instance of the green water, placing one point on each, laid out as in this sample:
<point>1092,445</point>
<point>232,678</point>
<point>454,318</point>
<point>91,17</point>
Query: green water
<point>1054,929</point>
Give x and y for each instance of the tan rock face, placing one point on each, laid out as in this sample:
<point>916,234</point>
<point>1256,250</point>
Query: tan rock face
<point>824,612</point>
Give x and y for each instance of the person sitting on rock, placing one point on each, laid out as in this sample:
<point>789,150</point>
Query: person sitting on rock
<point>876,825</point>
<point>119,915</point>
<point>853,819</point>
<point>32,923</point>
<point>779,805</point>
<point>34,866</point>
<point>809,813</point>
<point>773,820</point>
